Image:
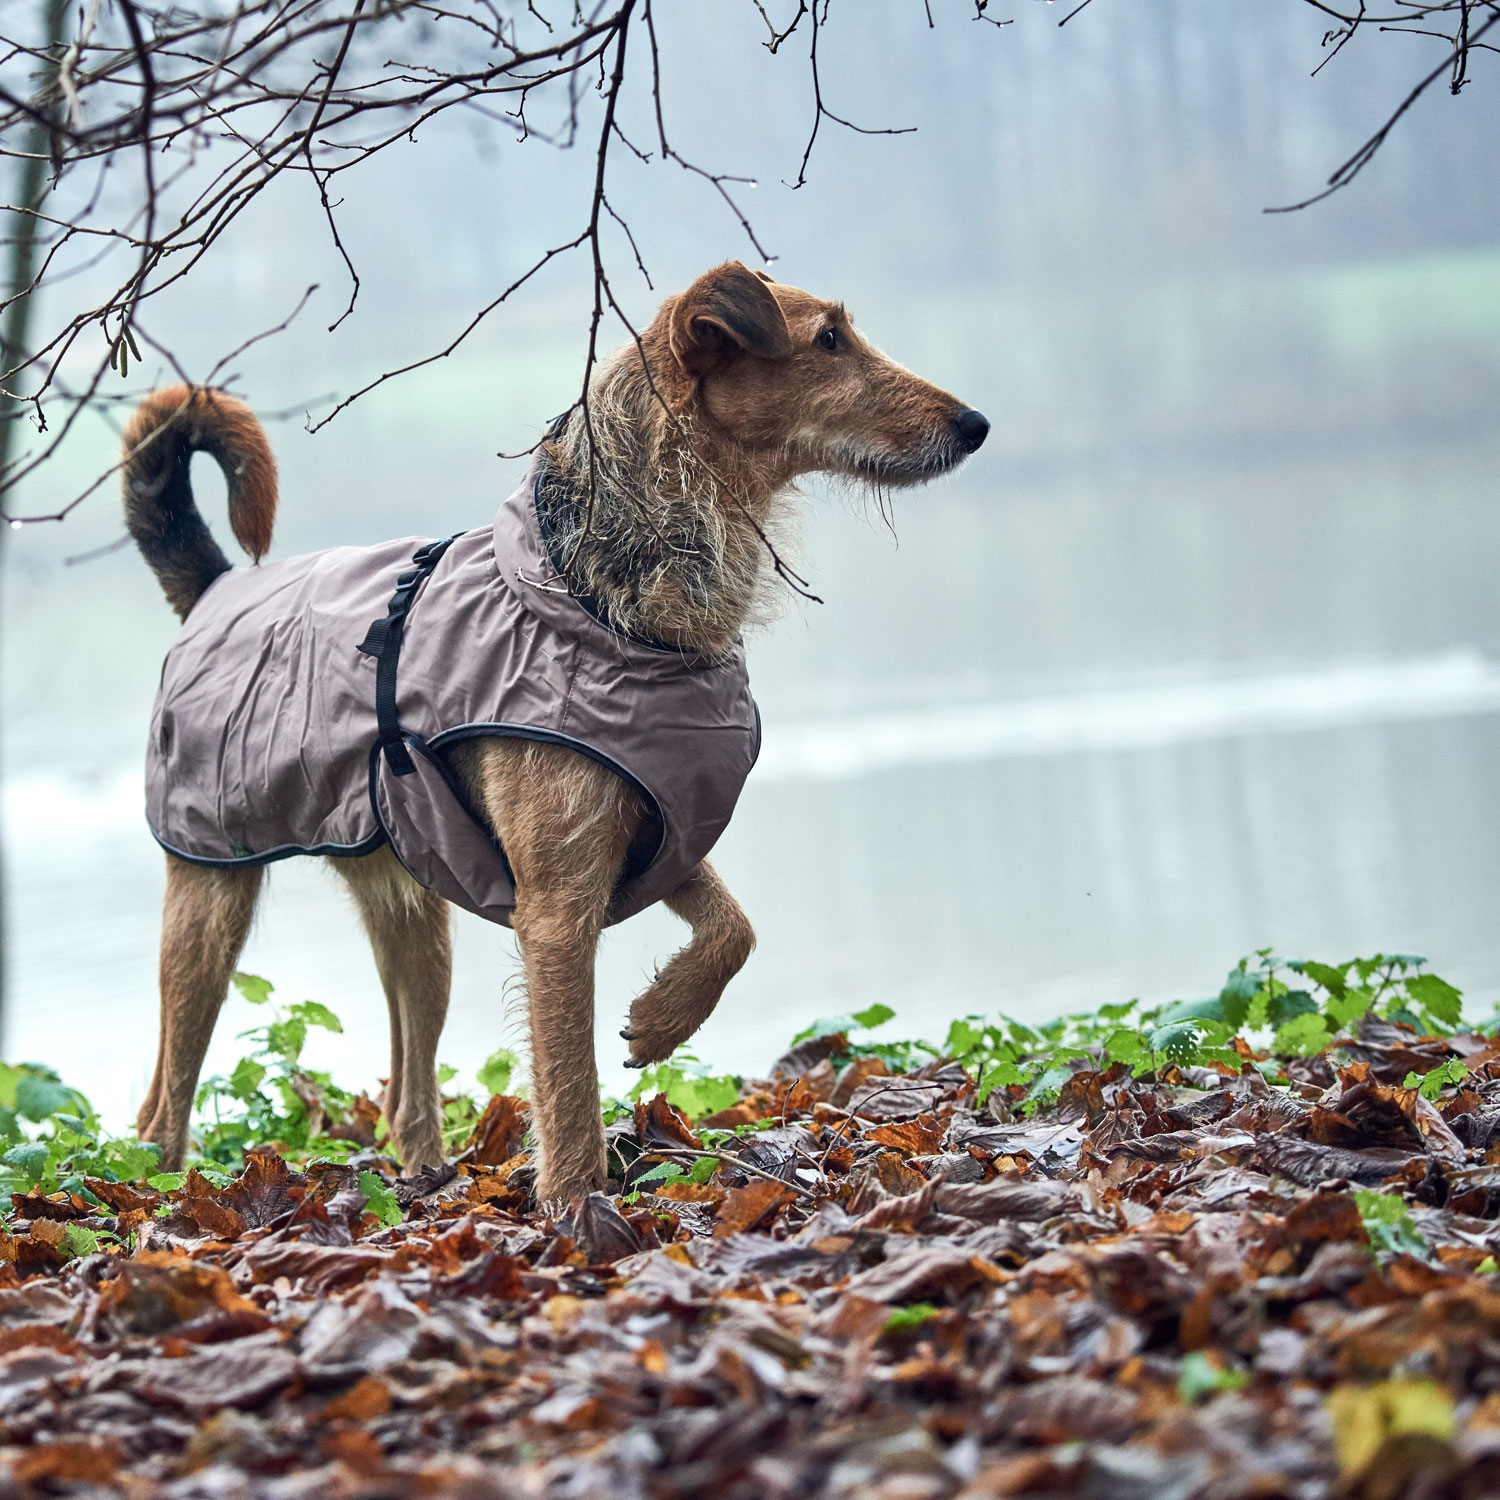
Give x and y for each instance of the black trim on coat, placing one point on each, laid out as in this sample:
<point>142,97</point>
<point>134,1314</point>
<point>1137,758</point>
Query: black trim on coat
<point>282,851</point>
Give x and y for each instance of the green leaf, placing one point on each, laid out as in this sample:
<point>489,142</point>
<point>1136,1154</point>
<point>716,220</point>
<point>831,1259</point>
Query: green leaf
<point>446,1074</point>
<point>1287,1007</point>
<point>664,1171</point>
<point>876,1015</point>
<point>40,1098</point>
<point>246,1079</point>
<point>495,1074</point>
<point>9,1078</point>
<point>1346,1008</point>
<point>31,1159</point>
<point>167,1182</point>
<point>285,1038</point>
<point>1200,1375</point>
<point>380,1200</point>
<point>1240,988</point>
<point>1210,1009</point>
<point>131,1160</point>
<point>79,1240</point>
<point>1332,979</point>
<point>904,1319</point>
<point>1178,1041</point>
<point>1388,1223</point>
<point>254,989</point>
<point>697,1097</point>
<point>1438,998</point>
<point>1124,1045</point>
<point>1301,1036</point>
<point>314,1014</point>
<point>1430,1085</point>
<point>704,1168</point>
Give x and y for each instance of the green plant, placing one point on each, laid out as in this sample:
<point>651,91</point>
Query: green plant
<point>669,1171</point>
<point>904,1319</point>
<point>52,1138</point>
<point>1202,1374</point>
<point>1430,1085</point>
<point>688,1085</point>
<point>1389,1224</point>
<point>269,1095</point>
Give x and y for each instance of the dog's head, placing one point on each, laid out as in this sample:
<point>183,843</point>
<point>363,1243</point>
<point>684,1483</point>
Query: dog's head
<point>782,373</point>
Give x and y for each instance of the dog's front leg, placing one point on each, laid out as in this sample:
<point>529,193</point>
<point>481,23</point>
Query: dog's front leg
<point>565,823</point>
<point>558,940</point>
<point>685,992</point>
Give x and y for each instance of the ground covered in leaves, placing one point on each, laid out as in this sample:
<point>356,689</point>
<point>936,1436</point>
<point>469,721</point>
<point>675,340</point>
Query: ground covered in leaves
<point>1164,1282</point>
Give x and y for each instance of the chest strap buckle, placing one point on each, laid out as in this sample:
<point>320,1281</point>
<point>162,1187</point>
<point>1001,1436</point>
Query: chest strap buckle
<point>383,642</point>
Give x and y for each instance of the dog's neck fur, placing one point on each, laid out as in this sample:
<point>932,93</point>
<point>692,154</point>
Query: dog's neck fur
<point>672,547</point>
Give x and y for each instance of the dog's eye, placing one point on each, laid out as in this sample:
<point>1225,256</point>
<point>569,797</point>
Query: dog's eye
<point>829,339</point>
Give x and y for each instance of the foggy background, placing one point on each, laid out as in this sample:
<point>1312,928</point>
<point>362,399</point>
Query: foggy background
<point>1195,656</point>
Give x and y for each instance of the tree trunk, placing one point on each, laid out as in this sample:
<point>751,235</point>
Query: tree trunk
<point>15,333</point>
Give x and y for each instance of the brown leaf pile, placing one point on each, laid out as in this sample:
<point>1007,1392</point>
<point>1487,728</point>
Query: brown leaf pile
<point>1149,1292</point>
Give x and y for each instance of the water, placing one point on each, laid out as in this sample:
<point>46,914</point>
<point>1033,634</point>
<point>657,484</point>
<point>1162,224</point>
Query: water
<point>1075,802</point>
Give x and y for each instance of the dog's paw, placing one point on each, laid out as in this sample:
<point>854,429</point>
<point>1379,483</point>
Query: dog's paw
<point>627,1033</point>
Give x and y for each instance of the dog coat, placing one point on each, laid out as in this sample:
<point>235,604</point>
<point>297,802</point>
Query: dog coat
<point>305,707</point>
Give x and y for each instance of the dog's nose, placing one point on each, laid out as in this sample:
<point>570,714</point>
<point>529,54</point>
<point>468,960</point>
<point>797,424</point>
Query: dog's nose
<point>972,427</point>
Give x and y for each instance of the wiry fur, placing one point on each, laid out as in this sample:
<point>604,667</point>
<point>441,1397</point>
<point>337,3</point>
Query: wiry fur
<point>658,506</point>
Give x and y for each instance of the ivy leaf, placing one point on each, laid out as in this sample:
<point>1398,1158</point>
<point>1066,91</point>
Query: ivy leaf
<point>875,1015</point>
<point>167,1182</point>
<point>253,988</point>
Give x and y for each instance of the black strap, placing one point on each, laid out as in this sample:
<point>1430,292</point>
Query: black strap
<point>383,642</point>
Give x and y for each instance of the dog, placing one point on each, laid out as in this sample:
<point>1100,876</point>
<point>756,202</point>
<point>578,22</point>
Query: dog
<point>645,532</point>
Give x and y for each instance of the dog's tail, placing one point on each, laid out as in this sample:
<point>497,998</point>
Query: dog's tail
<point>168,427</point>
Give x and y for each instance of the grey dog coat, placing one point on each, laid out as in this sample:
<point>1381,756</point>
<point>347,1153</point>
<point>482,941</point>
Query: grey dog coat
<point>305,707</point>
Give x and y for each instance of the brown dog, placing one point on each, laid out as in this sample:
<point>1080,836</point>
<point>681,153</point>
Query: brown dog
<point>671,484</point>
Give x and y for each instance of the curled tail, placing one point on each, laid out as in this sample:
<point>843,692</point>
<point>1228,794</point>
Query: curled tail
<point>168,427</point>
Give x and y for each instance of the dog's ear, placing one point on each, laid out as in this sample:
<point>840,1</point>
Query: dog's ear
<point>727,312</point>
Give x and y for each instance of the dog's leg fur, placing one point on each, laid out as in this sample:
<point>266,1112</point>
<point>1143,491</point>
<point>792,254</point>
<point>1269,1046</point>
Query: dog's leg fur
<point>565,824</point>
<point>411,935</point>
<point>684,993</point>
<point>205,920</point>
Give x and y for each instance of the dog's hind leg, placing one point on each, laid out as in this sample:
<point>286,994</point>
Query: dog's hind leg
<point>684,993</point>
<point>205,920</point>
<point>410,933</point>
